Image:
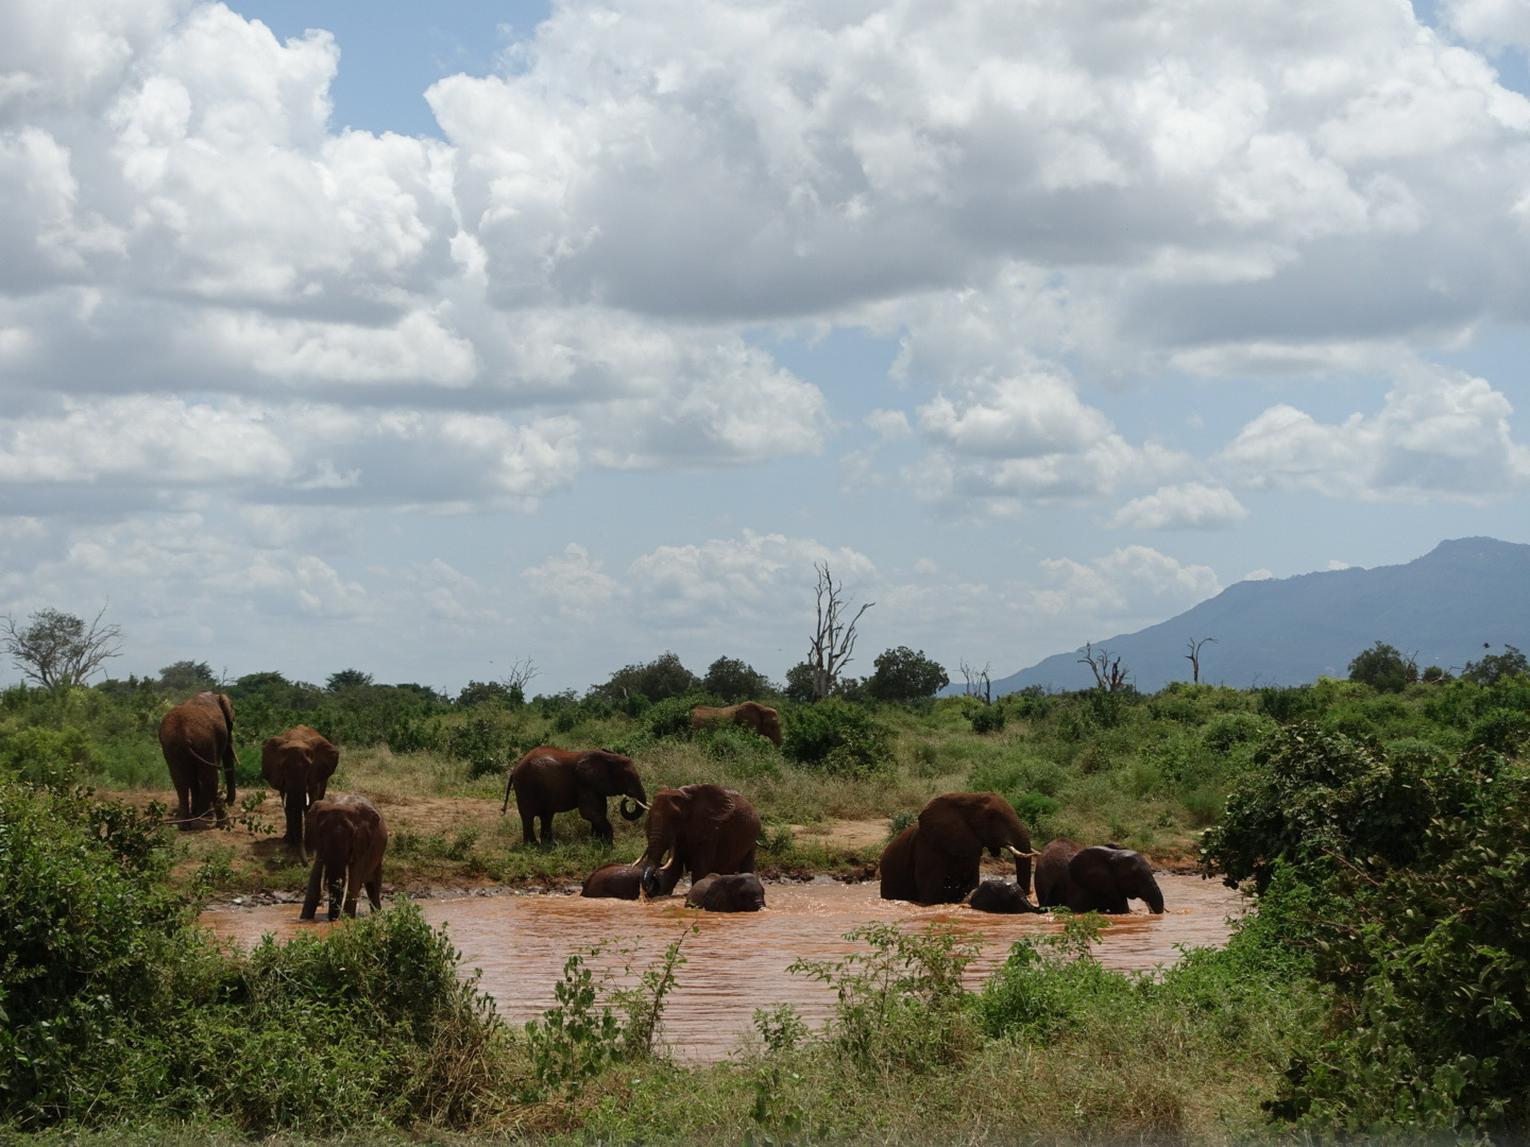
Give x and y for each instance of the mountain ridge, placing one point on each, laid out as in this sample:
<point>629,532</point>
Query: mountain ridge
<point>1440,607</point>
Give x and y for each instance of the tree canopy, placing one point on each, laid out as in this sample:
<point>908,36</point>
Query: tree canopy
<point>901,674</point>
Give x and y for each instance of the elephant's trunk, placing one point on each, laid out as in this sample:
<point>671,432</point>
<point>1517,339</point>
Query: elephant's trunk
<point>337,891</point>
<point>295,804</point>
<point>633,806</point>
<point>1152,895</point>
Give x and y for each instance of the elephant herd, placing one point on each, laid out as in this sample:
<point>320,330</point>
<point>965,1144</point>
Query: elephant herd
<point>703,831</point>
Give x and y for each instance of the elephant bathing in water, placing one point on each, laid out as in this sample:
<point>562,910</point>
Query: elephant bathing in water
<point>1098,879</point>
<point>348,838</point>
<point>548,780</point>
<point>615,882</point>
<point>1000,896</point>
<point>197,737</point>
<point>740,892</point>
<point>936,859</point>
<point>298,765</point>
<point>750,715</point>
<point>702,829</point>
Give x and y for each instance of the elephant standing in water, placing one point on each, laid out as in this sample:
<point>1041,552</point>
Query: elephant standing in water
<point>739,892</point>
<point>702,829</point>
<point>348,838</point>
<point>614,882</point>
<point>1000,896</point>
<point>548,780</point>
<point>749,715</point>
<point>197,737</point>
<point>1098,879</point>
<point>936,860</point>
<point>298,765</point>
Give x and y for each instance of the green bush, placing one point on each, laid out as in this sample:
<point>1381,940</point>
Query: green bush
<point>55,758</point>
<point>837,736</point>
<point>671,717</point>
<point>988,719</point>
<point>1504,730</point>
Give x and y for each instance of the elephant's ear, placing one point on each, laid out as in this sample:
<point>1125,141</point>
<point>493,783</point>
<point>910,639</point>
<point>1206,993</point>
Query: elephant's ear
<point>1094,870</point>
<point>947,826</point>
<point>271,763</point>
<point>326,759</point>
<point>227,706</point>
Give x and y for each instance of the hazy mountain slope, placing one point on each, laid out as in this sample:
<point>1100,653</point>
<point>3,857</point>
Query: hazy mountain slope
<point>1441,606</point>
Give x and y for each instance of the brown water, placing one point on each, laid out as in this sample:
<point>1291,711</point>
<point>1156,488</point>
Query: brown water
<point>737,963</point>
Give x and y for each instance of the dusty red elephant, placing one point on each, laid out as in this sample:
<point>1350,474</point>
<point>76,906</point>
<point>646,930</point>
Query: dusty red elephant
<point>298,765</point>
<point>197,738</point>
<point>762,719</point>
<point>936,859</point>
<point>349,838</point>
<point>702,829</point>
<point>548,780</point>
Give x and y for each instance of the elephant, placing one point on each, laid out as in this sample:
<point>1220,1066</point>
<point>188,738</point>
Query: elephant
<point>614,881</point>
<point>702,829</point>
<point>348,837</point>
<point>1098,879</point>
<point>739,892</point>
<point>750,715</point>
<point>1000,896</point>
<point>935,860</point>
<point>298,765</point>
<point>197,737</point>
<point>548,780</point>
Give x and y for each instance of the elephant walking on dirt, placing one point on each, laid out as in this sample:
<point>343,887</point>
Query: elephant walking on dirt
<point>937,859</point>
<point>197,738</point>
<point>298,765</point>
<point>762,719</point>
<point>1098,879</point>
<point>702,829</point>
<point>348,838</point>
<point>548,780</point>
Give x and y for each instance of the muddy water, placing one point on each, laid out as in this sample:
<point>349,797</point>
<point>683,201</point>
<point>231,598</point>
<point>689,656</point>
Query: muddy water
<point>736,963</point>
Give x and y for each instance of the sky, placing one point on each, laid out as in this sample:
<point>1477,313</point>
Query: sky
<point>424,339</point>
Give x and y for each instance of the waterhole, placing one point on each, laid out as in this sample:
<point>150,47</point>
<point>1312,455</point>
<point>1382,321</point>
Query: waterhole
<point>737,963</point>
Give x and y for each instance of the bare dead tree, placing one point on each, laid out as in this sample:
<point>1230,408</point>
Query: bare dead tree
<point>1108,674</point>
<point>58,649</point>
<point>833,637</point>
<point>977,682</point>
<point>1194,656</point>
<point>519,675</point>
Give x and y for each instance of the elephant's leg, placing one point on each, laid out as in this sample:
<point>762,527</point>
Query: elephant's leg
<point>528,826</point>
<point>315,886</point>
<point>547,829</point>
<point>374,890</point>
<point>593,809</point>
<point>747,864</point>
<point>933,876</point>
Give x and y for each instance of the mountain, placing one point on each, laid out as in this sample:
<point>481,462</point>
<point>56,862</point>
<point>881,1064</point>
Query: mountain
<point>1441,607</point>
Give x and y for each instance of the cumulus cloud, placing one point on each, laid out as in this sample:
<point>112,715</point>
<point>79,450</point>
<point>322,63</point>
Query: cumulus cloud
<point>1192,506</point>
<point>573,582</point>
<point>1131,582</point>
<point>1496,23</point>
<point>1439,434</point>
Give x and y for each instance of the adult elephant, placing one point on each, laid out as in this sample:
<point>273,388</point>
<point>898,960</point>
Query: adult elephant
<point>761,719</point>
<point>1000,896</point>
<point>298,765</point>
<point>1097,879</point>
<point>614,882</point>
<point>349,839</point>
<point>548,780</point>
<point>702,829</point>
<point>936,859</point>
<point>739,892</point>
<point>197,737</point>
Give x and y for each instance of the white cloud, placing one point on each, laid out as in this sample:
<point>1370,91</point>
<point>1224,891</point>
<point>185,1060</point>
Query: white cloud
<point>1133,582</point>
<point>1260,574</point>
<point>1193,506</point>
<point>1496,23</point>
<point>1439,434</point>
<point>572,581</point>
<point>889,425</point>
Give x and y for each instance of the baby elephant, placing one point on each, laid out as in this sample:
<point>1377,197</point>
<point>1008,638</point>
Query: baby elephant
<point>348,838</point>
<point>1000,896</point>
<point>1098,879</point>
<point>739,892</point>
<point>614,881</point>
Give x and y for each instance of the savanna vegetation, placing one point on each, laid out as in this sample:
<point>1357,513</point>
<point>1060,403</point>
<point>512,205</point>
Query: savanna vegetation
<point>1379,989</point>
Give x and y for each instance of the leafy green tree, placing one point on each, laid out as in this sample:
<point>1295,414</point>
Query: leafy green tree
<point>901,674</point>
<point>347,679</point>
<point>661,678</point>
<point>485,692</point>
<point>1383,668</point>
<point>733,680</point>
<point>1494,667</point>
<point>186,677</point>
<point>57,649</point>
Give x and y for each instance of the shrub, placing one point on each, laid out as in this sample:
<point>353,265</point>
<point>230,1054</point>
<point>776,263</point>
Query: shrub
<point>838,736</point>
<point>1226,730</point>
<point>54,758</point>
<point>1504,730</point>
<point>1383,668</point>
<point>672,716</point>
<point>988,719</point>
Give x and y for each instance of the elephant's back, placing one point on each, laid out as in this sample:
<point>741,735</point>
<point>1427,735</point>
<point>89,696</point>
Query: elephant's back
<point>1052,872</point>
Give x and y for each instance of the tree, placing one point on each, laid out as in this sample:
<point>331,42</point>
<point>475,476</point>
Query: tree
<point>903,675</point>
<point>661,678</point>
<point>1494,667</point>
<point>833,639</point>
<point>58,649</point>
<point>799,683</point>
<point>517,677</point>
<point>733,680</point>
<point>977,682</point>
<point>187,677</point>
<point>1194,656</point>
<point>1108,674</point>
<point>1383,668</point>
<point>347,679</point>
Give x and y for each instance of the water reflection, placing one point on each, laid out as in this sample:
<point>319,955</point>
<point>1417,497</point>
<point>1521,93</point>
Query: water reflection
<point>736,963</point>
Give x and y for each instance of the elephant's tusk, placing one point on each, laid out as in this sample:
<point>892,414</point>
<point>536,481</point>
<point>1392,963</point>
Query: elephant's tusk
<point>637,802</point>
<point>1018,854</point>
